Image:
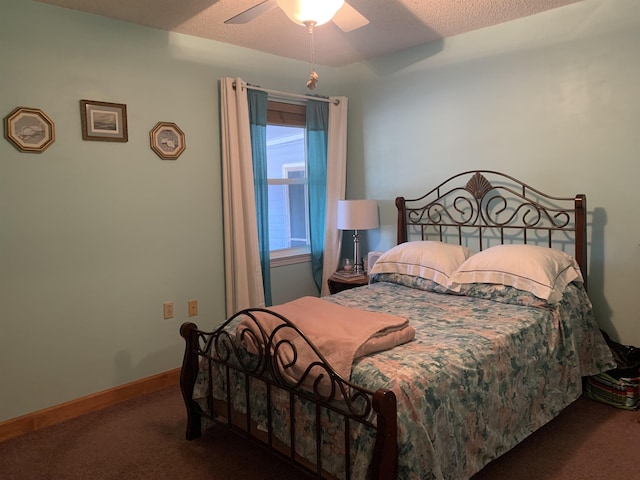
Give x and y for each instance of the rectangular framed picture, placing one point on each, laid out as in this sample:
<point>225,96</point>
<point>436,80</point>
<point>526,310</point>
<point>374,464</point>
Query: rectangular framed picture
<point>103,121</point>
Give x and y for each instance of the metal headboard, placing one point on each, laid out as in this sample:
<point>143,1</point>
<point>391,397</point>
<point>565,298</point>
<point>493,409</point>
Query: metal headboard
<point>481,208</point>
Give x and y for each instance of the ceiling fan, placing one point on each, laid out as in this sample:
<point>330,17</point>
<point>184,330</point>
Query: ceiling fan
<point>309,13</point>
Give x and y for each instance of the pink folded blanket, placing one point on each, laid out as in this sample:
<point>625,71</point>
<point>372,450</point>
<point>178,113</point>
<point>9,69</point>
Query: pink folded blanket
<point>341,335</point>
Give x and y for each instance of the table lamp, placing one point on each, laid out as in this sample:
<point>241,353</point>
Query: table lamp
<point>357,215</point>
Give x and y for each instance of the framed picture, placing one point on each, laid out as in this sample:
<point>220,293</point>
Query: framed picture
<point>29,129</point>
<point>167,140</point>
<point>103,121</point>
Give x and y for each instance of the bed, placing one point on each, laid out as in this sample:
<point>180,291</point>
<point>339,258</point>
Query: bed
<point>496,353</point>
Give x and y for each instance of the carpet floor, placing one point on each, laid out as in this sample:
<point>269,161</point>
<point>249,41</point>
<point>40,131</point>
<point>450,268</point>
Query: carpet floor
<point>143,439</point>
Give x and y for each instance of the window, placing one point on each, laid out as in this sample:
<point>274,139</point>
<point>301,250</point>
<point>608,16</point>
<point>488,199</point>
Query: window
<point>288,186</point>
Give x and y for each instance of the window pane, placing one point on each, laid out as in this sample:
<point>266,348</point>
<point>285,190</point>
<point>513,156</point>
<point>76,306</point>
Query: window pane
<point>285,145</point>
<point>278,233</point>
<point>298,215</point>
<point>288,203</point>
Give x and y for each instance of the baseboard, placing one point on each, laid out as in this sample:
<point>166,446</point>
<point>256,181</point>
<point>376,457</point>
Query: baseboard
<point>65,411</point>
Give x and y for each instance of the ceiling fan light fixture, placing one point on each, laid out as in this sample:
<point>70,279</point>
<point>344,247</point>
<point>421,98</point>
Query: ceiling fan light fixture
<point>310,12</point>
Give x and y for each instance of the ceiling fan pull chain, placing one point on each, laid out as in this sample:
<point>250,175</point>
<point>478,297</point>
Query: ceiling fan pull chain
<point>312,83</point>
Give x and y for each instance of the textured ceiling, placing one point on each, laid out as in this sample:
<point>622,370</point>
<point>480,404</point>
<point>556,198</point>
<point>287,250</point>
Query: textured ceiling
<point>394,24</point>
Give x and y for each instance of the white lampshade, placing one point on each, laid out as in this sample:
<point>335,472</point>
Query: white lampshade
<point>315,12</point>
<point>357,214</point>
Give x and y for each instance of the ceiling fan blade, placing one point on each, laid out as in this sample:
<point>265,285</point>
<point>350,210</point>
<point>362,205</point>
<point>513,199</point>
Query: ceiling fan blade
<point>348,18</point>
<point>253,12</point>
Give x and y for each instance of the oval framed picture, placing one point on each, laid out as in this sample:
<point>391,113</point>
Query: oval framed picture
<point>167,140</point>
<point>29,129</point>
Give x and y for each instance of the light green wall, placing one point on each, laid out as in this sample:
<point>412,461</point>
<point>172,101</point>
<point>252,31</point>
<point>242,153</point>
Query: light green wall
<point>553,99</point>
<point>95,236</point>
<point>292,281</point>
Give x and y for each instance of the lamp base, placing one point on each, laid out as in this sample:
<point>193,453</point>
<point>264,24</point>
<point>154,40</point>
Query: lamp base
<point>357,264</point>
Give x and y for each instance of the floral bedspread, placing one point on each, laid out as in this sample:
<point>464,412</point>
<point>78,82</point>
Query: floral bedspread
<point>480,376</point>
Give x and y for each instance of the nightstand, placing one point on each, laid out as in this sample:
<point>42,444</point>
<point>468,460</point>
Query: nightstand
<point>338,283</point>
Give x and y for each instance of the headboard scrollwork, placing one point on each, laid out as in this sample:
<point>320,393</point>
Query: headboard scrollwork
<point>481,208</point>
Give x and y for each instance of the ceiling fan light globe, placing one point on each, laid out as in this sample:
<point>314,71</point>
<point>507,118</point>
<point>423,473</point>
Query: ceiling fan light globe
<point>305,12</point>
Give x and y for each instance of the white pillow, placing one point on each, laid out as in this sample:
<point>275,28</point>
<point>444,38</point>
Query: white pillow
<point>426,259</point>
<point>545,272</point>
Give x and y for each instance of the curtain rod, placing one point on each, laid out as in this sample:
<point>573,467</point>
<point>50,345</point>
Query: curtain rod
<point>286,95</point>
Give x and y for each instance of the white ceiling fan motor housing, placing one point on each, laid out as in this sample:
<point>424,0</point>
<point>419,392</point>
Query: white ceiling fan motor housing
<point>314,12</point>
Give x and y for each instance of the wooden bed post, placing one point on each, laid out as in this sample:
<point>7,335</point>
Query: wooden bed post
<point>385,453</point>
<point>402,225</point>
<point>581,234</point>
<point>188,376</point>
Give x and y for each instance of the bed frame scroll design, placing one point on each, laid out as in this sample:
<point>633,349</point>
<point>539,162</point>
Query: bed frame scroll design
<point>492,207</point>
<point>274,357</point>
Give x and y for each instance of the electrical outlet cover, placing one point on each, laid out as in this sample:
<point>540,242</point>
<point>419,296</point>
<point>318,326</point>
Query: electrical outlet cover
<point>193,308</point>
<point>167,308</point>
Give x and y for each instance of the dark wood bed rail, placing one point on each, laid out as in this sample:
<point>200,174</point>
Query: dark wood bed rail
<point>493,206</point>
<point>351,402</point>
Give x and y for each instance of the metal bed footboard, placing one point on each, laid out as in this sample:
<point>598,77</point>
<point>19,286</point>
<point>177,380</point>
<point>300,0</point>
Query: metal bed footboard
<point>220,352</point>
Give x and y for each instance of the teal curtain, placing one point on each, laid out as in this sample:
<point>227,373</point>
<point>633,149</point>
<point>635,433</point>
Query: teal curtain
<point>317,134</point>
<point>258,107</point>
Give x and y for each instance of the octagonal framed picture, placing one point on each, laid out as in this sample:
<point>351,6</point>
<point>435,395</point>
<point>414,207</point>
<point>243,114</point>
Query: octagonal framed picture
<point>167,140</point>
<point>29,129</point>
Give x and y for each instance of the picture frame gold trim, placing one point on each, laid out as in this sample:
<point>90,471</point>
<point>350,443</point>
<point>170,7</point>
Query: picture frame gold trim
<point>29,129</point>
<point>104,121</point>
<point>167,140</point>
